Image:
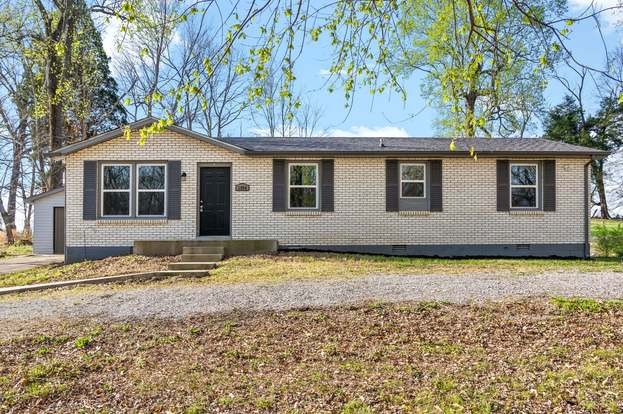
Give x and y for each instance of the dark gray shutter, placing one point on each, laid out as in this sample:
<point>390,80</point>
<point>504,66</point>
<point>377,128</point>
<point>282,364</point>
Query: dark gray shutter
<point>89,190</point>
<point>279,183</point>
<point>549,185</point>
<point>436,197</point>
<point>174,190</point>
<point>503,188</point>
<point>392,182</point>
<point>326,187</point>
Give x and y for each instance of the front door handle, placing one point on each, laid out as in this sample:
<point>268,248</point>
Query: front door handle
<point>201,206</point>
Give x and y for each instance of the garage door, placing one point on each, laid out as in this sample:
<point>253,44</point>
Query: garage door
<point>59,230</point>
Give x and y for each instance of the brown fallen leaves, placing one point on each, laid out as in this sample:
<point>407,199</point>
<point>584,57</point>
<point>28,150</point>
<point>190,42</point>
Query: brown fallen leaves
<point>83,270</point>
<point>413,357</point>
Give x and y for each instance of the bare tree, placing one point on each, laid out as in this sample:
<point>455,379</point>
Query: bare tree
<point>164,69</point>
<point>15,112</point>
<point>308,118</point>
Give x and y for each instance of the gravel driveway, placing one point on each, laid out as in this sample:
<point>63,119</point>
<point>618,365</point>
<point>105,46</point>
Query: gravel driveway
<point>181,301</point>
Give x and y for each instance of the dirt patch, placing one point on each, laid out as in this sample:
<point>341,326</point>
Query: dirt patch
<point>530,356</point>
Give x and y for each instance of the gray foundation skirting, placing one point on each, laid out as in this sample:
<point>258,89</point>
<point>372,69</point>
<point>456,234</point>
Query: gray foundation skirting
<point>567,250</point>
<point>80,253</point>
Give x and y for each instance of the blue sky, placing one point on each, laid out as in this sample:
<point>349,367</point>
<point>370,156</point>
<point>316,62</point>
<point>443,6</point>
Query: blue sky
<point>388,115</point>
<point>415,117</point>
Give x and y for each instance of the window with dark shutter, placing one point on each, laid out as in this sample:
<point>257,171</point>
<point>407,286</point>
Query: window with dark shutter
<point>392,182</point>
<point>503,192</point>
<point>279,183</point>
<point>89,190</point>
<point>326,189</point>
<point>174,190</point>
<point>436,191</point>
<point>549,185</point>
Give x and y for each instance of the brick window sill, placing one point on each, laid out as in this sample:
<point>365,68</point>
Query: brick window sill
<point>526,213</point>
<point>411,213</point>
<point>302,213</point>
<point>132,222</point>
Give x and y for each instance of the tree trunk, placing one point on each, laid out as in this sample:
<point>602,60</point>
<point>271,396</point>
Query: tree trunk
<point>598,176</point>
<point>7,220</point>
<point>470,114</point>
<point>19,142</point>
<point>55,123</point>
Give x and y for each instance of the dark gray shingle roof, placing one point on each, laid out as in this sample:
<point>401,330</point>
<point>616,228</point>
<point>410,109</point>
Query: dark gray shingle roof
<point>438,146</point>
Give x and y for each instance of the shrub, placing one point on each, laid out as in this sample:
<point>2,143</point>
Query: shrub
<point>609,239</point>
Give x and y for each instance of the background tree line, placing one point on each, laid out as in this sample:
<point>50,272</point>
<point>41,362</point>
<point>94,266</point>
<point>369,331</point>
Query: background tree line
<point>486,64</point>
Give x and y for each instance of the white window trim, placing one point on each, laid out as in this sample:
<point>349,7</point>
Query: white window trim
<point>145,190</point>
<point>511,185</point>
<point>423,181</point>
<point>103,190</point>
<point>290,186</point>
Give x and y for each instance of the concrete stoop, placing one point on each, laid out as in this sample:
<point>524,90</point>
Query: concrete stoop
<point>199,258</point>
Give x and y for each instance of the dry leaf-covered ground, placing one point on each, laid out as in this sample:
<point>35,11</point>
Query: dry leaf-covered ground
<point>105,267</point>
<point>532,356</point>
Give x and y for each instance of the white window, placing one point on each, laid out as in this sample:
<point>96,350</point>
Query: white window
<point>151,184</point>
<point>116,190</point>
<point>524,180</point>
<point>412,180</point>
<point>303,185</point>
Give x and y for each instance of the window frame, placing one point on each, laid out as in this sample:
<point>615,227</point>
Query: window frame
<point>139,190</point>
<point>423,181</point>
<point>316,186</point>
<point>536,186</point>
<point>103,190</point>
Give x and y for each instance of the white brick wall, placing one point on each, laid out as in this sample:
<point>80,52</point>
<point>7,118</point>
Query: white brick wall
<point>469,202</point>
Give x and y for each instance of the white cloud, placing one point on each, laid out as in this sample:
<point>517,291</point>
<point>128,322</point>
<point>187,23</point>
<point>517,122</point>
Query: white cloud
<point>110,34</point>
<point>326,73</point>
<point>611,17</point>
<point>364,131</point>
<point>116,44</point>
<point>355,131</point>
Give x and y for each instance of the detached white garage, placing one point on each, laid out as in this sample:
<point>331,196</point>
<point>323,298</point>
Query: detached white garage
<point>48,234</point>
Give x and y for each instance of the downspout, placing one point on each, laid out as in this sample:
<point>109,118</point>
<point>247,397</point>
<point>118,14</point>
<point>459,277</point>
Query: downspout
<point>587,245</point>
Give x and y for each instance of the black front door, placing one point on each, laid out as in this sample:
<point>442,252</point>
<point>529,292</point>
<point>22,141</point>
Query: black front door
<point>214,201</point>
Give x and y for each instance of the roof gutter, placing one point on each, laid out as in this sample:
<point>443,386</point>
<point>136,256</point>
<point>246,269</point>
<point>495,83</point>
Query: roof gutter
<point>446,154</point>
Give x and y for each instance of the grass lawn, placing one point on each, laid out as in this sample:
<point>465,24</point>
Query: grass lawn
<point>106,267</point>
<point>537,356</point>
<point>286,266</point>
<point>17,249</point>
<point>290,266</point>
<point>607,223</point>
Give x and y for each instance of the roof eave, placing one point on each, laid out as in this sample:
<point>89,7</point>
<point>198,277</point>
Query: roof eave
<point>45,194</point>
<point>60,153</point>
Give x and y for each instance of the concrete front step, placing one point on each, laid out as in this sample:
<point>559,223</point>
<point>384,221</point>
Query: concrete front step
<point>204,250</point>
<point>192,265</point>
<point>202,257</point>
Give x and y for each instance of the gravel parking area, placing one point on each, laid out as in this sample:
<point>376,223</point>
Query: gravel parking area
<point>182,301</point>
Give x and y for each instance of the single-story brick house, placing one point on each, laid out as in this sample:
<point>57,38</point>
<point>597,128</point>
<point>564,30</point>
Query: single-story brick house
<point>401,196</point>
